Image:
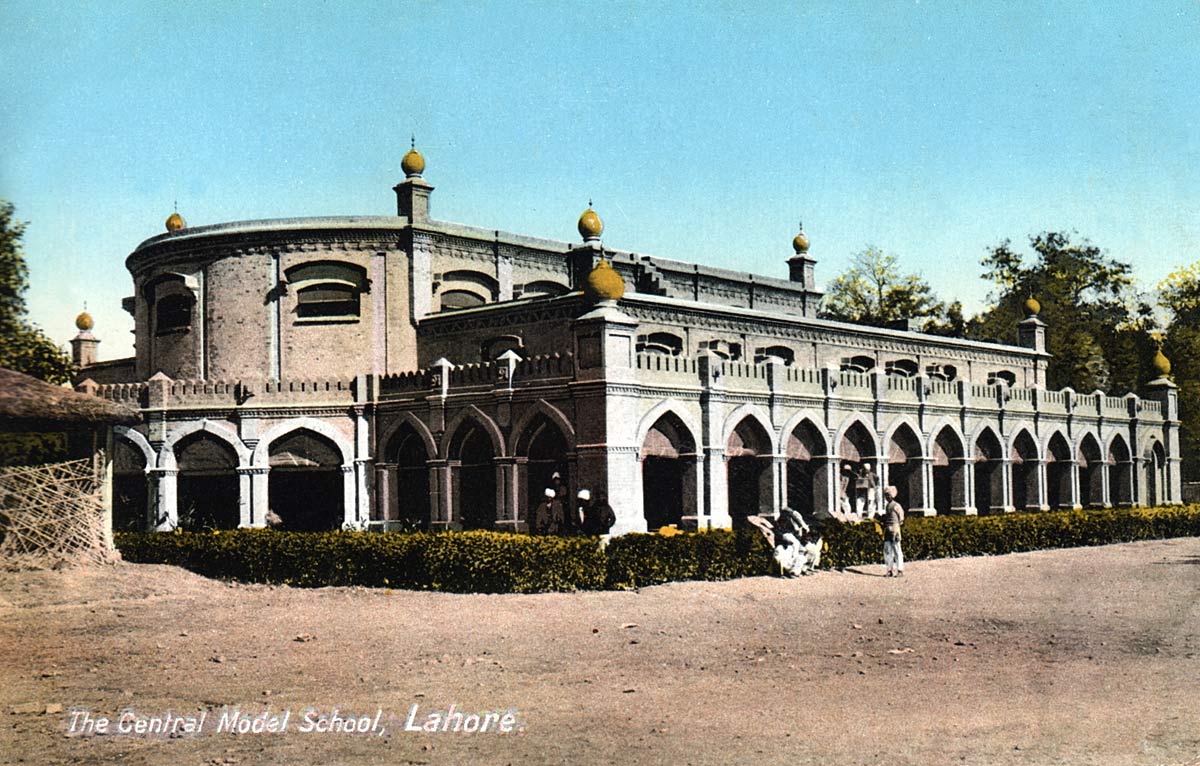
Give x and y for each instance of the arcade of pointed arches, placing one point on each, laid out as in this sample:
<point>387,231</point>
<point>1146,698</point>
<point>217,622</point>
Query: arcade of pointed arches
<point>303,470</point>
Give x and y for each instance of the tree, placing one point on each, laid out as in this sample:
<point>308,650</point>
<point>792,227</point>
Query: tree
<point>1098,327</point>
<point>1179,294</point>
<point>24,347</point>
<point>874,292</point>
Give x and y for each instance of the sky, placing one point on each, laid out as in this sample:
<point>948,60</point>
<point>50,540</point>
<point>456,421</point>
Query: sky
<point>702,132</point>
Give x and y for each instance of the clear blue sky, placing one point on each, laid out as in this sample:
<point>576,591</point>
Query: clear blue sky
<point>930,129</point>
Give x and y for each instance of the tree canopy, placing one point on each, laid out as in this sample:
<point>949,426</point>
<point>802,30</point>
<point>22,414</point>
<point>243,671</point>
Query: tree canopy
<point>25,348</point>
<point>873,291</point>
<point>1097,324</point>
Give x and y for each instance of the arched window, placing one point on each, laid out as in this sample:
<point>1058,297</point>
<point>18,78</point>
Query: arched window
<point>460,299</point>
<point>901,368</point>
<point>660,343</point>
<point>327,290</point>
<point>723,349</point>
<point>494,347</point>
<point>1002,378</point>
<point>782,352</point>
<point>857,364</point>
<point>942,371</point>
<point>171,301</point>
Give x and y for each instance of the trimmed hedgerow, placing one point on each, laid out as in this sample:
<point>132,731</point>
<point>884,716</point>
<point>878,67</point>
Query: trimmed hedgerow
<point>636,560</point>
<point>466,562</point>
<point>497,562</point>
<point>948,536</point>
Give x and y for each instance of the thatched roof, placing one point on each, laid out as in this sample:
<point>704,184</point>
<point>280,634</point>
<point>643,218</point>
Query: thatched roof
<point>29,404</point>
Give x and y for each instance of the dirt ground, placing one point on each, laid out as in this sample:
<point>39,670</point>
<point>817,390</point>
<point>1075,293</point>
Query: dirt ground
<point>1085,656</point>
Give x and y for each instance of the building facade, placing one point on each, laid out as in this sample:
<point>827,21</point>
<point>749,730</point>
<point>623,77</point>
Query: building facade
<point>400,371</point>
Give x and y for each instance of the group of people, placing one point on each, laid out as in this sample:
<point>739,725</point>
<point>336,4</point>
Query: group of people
<point>856,499</point>
<point>556,515</point>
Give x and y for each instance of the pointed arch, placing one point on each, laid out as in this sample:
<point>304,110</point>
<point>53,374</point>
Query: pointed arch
<point>262,450</point>
<point>166,454</point>
<point>854,432</point>
<point>551,413</point>
<point>906,422</point>
<point>940,425</point>
<point>396,421</point>
<point>815,421</point>
<point>1059,474</point>
<point>1091,472</point>
<point>754,412</point>
<point>987,452</point>
<point>667,446</point>
<point>749,467</point>
<point>138,440</point>
<point>1120,470</point>
<point>473,413</point>
<point>1026,471</point>
<point>808,472</point>
<point>673,407</point>
<point>903,453</point>
<point>949,469</point>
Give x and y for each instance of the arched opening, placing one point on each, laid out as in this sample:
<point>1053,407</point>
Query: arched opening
<point>668,473</point>
<point>545,451</point>
<point>1156,475</point>
<point>207,489</point>
<point>989,494</point>
<point>1120,473</point>
<point>949,472</point>
<point>748,465</point>
<point>1058,473</point>
<point>406,459</point>
<point>805,484</point>
<point>1091,473</point>
<point>305,485</point>
<point>129,494</point>
<point>473,477</point>
<point>904,467</point>
<point>856,453</point>
<point>1024,473</point>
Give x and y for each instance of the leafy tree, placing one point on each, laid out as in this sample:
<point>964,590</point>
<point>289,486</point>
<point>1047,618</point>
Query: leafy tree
<point>1098,327</point>
<point>23,346</point>
<point>874,292</point>
<point>1179,294</point>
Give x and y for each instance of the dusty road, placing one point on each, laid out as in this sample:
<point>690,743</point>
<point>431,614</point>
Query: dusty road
<point>1086,656</point>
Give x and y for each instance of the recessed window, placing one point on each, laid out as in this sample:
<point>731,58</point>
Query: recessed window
<point>660,343</point>
<point>942,371</point>
<point>1002,378</point>
<point>780,352</point>
<point>900,368</point>
<point>328,290</point>
<point>173,313</point>
<point>857,364</point>
<point>460,299</point>
<point>327,300</point>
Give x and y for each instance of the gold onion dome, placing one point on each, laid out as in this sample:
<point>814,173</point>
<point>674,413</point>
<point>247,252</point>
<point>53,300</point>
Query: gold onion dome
<point>1162,365</point>
<point>590,226</point>
<point>604,283</point>
<point>1032,307</point>
<point>175,222</point>
<point>413,163</point>
<point>84,321</point>
<point>800,242</point>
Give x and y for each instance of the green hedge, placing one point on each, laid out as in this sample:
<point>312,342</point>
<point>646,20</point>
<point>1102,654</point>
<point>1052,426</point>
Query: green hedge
<point>496,562</point>
<point>948,536</point>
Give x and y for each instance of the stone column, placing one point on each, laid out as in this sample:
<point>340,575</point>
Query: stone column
<point>507,504</point>
<point>1106,498</point>
<point>440,500</point>
<point>349,500</point>
<point>715,511</point>
<point>260,497</point>
<point>922,499</point>
<point>383,494</point>
<point>1074,500</point>
<point>1039,500</point>
<point>778,468</point>
<point>168,500</point>
<point>245,497</point>
<point>962,486</point>
<point>1006,488</point>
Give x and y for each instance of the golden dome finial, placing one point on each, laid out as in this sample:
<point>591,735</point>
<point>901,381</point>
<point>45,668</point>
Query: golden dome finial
<point>175,222</point>
<point>800,241</point>
<point>84,321</point>
<point>413,163</point>
<point>604,283</point>
<point>1032,307</point>
<point>1162,365</point>
<point>590,226</point>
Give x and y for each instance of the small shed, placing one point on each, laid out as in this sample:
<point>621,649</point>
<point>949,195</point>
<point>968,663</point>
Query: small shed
<point>59,512</point>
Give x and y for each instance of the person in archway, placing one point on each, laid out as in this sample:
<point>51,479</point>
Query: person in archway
<point>845,486</point>
<point>893,519</point>
<point>595,515</point>
<point>864,491</point>
<point>542,519</point>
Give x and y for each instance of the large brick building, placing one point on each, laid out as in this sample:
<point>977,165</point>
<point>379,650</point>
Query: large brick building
<point>401,370</point>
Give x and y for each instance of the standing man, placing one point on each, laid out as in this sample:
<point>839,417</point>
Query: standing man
<point>543,515</point>
<point>893,519</point>
<point>595,515</point>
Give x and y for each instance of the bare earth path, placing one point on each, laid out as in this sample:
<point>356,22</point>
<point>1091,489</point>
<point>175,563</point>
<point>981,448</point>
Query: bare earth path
<point>1085,656</point>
